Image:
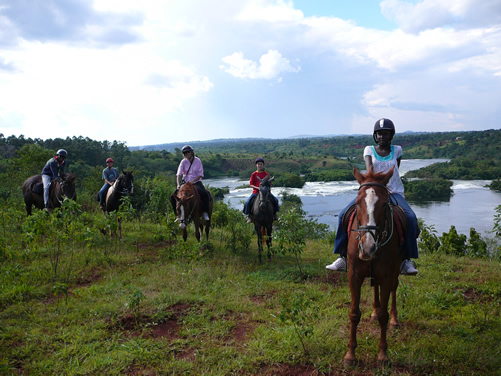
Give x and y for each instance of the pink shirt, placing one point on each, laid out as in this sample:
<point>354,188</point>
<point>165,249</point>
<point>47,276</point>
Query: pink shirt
<point>196,170</point>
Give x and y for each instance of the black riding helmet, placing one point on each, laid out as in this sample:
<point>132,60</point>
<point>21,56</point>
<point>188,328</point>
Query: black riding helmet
<point>62,153</point>
<point>383,124</point>
<point>186,149</point>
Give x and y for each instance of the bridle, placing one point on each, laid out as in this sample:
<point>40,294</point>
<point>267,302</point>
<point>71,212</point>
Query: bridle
<point>120,183</point>
<point>378,232</point>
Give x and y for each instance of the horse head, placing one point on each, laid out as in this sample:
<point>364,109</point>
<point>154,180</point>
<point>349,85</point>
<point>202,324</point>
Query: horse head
<point>183,204</point>
<point>373,207</point>
<point>68,186</point>
<point>264,190</point>
<point>126,182</point>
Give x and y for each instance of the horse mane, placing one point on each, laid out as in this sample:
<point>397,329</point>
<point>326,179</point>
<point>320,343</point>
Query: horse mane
<point>371,175</point>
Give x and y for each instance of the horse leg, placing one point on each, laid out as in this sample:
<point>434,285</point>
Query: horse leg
<point>207,229</point>
<point>197,229</point>
<point>355,286</point>
<point>394,323</point>
<point>268,240</point>
<point>259,242</point>
<point>377,302</point>
<point>383,317</point>
<point>119,228</point>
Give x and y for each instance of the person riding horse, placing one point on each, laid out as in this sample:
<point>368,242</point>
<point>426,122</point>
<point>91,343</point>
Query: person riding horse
<point>53,169</point>
<point>260,173</point>
<point>382,158</point>
<point>191,170</point>
<point>110,175</point>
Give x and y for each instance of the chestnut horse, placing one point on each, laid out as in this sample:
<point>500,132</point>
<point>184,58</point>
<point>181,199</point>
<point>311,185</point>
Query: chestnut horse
<point>262,215</point>
<point>60,188</point>
<point>123,186</point>
<point>189,208</point>
<point>374,254</point>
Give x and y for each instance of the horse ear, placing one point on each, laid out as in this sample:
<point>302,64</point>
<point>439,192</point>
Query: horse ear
<point>272,179</point>
<point>258,178</point>
<point>358,175</point>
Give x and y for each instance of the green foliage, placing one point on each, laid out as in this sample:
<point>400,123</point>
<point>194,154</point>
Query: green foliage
<point>427,189</point>
<point>495,185</point>
<point>134,300</point>
<point>289,180</point>
<point>453,243</point>
<point>300,311</point>
<point>428,240</point>
<point>476,246</point>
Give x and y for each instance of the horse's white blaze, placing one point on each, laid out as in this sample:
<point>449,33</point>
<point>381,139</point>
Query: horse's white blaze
<point>370,202</point>
<point>182,225</point>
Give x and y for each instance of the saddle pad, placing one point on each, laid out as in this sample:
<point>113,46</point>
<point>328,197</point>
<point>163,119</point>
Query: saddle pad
<point>348,217</point>
<point>37,188</point>
<point>400,221</point>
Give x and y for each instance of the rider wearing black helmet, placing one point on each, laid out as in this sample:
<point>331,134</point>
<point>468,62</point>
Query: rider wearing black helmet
<point>191,170</point>
<point>382,158</point>
<point>52,170</point>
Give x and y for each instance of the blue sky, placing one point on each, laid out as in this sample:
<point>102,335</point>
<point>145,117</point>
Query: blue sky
<point>158,71</point>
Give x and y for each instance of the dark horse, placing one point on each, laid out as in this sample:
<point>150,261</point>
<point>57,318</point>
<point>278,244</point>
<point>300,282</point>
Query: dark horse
<point>262,215</point>
<point>374,254</point>
<point>123,186</point>
<point>60,188</point>
<point>189,207</point>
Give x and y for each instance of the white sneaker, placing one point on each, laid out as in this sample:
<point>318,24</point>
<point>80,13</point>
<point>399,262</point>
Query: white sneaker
<point>206,216</point>
<point>339,265</point>
<point>408,268</point>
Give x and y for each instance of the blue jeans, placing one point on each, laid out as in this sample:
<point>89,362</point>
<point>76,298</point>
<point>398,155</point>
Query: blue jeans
<point>410,242</point>
<point>102,193</point>
<point>274,201</point>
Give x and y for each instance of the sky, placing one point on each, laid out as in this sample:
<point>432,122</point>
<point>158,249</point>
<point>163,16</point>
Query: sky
<point>159,71</point>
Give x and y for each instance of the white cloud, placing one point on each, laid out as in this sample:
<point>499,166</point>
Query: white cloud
<point>270,11</point>
<point>271,66</point>
<point>430,14</point>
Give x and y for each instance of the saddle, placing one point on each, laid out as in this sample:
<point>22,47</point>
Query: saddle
<point>399,218</point>
<point>37,188</point>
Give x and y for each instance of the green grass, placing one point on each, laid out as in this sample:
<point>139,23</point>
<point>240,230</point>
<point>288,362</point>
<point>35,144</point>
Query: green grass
<point>219,314</point>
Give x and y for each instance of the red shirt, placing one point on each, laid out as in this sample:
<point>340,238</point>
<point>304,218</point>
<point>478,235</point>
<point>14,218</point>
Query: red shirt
<point>254,179</point>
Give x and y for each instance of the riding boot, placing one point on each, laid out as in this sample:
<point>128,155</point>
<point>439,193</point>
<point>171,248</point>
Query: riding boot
<point>249,218</point>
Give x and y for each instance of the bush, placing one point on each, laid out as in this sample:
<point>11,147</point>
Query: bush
<point>427,189</point>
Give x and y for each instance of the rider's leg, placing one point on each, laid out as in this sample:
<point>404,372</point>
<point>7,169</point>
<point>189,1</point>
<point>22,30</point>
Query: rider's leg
<point>341,242</point>
<point>410,243</point>
<point>247,207</point>
<point>46,179</point>
<point>102,193</point>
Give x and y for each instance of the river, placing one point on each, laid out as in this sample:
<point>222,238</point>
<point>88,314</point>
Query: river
<point>471,205</point>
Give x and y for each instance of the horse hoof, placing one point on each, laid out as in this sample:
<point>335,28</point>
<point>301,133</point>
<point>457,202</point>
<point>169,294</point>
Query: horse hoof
<point>349,363</point>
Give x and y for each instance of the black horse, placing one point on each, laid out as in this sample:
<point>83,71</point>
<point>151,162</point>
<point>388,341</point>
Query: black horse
<point>123,186</point>
<point>262,215</point>
<point>62,187</point>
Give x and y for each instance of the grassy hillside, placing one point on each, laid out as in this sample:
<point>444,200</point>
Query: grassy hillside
<point>75,302</point>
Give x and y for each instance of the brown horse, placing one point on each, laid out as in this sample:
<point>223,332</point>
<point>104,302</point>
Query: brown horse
<point>60,188</point>
<point>262,216</point>
<point>373,254</point>
<point>189,208</point>
<point>123,186</point>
